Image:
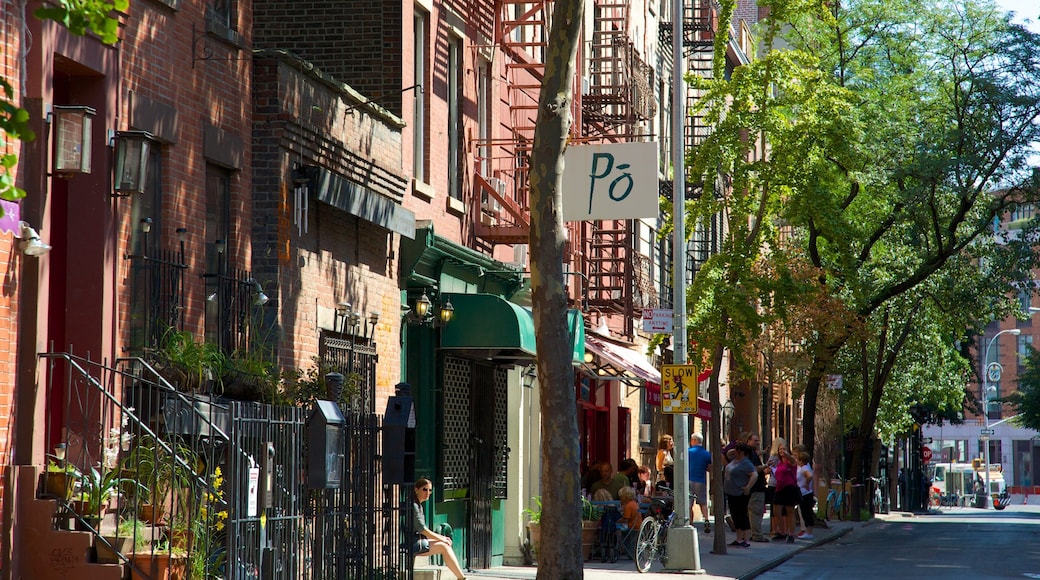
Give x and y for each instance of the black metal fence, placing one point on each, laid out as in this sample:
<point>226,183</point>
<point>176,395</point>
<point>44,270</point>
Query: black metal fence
<point>238,471</point>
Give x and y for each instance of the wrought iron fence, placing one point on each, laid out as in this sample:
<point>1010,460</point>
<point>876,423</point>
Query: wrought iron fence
<point>157,295</point>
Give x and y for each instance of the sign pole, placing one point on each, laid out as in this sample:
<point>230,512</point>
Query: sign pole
<point>683,548</point>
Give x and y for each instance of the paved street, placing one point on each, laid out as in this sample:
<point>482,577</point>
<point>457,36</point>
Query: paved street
<point>959,543</point>
<point>952,544</point>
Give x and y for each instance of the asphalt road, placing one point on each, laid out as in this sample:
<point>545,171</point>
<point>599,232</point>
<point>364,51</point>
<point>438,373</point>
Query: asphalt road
<point>959,543</point>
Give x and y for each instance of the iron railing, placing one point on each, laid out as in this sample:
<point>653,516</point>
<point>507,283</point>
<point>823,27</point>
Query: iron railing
<point>238,491</point>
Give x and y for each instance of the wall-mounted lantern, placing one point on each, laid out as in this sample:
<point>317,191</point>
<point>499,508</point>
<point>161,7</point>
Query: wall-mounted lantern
<point>71,125</point>
<point>425,313</point>
<point>131,167</point>
<point>325,446</point>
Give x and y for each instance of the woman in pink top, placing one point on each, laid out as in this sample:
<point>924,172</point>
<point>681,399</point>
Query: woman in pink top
<point>787,496</point>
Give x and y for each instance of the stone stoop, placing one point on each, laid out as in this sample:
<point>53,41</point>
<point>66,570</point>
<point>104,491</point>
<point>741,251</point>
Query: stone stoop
<point>423,569</point>
<point>40,551</point>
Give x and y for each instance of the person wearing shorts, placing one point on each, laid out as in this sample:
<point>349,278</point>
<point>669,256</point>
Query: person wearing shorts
<point>699,460</point>
<point>787,497</point>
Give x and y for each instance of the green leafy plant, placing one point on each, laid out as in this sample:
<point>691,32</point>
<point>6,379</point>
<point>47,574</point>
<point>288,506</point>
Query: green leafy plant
<point>534,515</point>
<point>251,376</point>
<point>186,363</point>
<point>589,511</point>
<point>161,466</point>
<point>302,387</point>
<point>97,487</point>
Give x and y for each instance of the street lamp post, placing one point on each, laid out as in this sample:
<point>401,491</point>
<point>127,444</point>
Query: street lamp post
<point>995,371</point>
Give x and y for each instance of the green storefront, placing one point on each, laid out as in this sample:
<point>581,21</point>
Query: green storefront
<point>460,372</point>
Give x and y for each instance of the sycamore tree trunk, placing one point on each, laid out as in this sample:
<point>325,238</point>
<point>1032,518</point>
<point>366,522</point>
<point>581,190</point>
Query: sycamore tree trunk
<point>559,555</point>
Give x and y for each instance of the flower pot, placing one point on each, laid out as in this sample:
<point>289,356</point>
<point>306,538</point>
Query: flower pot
<point>589,533</point>
<point>536,535</point>
<point>106,555</point>
<point>59,484</point>
<point>158,566</point>
<point>151,513</point>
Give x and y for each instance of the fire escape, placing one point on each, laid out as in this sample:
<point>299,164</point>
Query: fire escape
<point>700,22</point>
<point>614,100</point>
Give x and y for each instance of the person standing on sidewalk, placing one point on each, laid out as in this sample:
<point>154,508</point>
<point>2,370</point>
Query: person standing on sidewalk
<point>757,500</point>
<point>698,463</point>
<point>740,477</point>
<point>805,484</point>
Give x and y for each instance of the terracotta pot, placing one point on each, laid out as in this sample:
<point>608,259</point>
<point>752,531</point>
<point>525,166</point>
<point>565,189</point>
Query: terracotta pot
<point>589,533</point>
<point>536,535</point>
<point>158,566</point>
<point>151,513</point>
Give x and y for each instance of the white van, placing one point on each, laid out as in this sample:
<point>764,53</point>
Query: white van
<point>956,481</point>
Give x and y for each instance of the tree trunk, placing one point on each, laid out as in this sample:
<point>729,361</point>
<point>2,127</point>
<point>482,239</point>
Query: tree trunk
<point>559,556</point>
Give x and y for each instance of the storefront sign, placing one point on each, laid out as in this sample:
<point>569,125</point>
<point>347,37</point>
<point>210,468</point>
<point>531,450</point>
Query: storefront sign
<point>612,181</point>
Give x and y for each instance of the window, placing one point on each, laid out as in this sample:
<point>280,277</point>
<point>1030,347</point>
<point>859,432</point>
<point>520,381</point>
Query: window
<point>218,246</point>
<point>145,327</point>
<point>223,13</point>
<point>1025,345</point>
<point>1024,300</point>
<point>484,117</point>
<point>454,128</point>
<point>1021,212</point>
<point>420,139</point>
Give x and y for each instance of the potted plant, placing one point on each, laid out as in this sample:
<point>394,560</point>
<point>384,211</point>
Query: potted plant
<point>186,364</point>
<point>60,479</point>
<point>250,376</point>
<point>534,523</point>
<point>590,517</point>
<point>130,537</point>
<point>159,468</point>
<point>162,563</point>
<point>96,490</point>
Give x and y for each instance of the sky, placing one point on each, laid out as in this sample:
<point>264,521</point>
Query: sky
<point>1023,9</point>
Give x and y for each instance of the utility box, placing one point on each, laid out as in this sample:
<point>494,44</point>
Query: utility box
<point>325,446</point>
<point>399,437</point>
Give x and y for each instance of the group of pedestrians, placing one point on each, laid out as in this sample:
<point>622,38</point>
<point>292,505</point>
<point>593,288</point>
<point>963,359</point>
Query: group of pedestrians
<point>784,480</point>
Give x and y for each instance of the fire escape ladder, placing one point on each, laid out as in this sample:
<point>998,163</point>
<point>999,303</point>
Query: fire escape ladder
<point>608,266</point>
<point>522,33</point>
<point>607,103</point>
<point>696,128</point>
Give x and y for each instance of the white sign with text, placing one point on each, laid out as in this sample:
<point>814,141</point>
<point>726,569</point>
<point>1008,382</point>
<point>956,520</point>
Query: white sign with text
<point>613,181</point>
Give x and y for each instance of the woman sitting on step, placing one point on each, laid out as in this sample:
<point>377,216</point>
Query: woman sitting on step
<point>426,541</point>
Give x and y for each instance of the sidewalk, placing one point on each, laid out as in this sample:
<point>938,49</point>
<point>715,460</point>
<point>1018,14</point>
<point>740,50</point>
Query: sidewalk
<point>737,563</point>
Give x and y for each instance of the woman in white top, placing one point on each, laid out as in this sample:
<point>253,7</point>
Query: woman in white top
<point>664,454</point>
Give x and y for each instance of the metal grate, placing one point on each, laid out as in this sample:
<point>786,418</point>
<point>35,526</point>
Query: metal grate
<point>455,449</point>
<point>501,467</point>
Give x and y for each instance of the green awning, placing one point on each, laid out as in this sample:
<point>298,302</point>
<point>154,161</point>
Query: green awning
<point>486,326</point>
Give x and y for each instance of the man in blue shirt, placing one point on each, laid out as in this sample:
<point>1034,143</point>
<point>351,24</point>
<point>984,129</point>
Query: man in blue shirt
<point>698,463</point>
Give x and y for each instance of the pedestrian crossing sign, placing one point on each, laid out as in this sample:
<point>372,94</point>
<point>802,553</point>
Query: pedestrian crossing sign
<point>679,389</point>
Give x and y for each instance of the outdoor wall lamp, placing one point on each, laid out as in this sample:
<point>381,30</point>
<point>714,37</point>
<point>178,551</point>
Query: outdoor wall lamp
<point>345,311</point>
<point>131,167</point>
<point>254,285</point>
<point>72,141</point>
<point>424,312</point>
<point>146,225</point>
<point>31,244</point>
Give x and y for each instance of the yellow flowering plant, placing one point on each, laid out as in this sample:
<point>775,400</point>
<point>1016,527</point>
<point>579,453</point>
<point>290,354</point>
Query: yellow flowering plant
<point>210,551</point>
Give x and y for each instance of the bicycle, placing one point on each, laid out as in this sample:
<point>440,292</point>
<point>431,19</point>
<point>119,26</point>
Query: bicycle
<point>836,499</point>
<point>652,541</point>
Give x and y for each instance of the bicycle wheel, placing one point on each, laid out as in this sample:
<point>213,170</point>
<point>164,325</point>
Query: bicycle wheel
<point>646,545</point>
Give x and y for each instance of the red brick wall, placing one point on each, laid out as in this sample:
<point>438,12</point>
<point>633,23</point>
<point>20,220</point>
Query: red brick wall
<point>9,258</point>
<point>304,117</point>
<point>357,43</point>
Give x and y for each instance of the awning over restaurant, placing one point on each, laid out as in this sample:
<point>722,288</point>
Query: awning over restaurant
<point>489,327</point>
<point>622,361</point>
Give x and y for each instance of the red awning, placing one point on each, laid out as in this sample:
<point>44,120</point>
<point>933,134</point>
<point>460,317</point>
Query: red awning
<point>623,361</point>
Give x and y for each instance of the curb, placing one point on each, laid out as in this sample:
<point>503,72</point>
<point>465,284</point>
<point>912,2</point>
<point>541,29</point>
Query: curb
<point>762,569</point>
